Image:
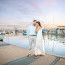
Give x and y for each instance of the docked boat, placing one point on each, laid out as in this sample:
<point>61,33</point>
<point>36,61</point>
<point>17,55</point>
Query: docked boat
<point>1,36</point>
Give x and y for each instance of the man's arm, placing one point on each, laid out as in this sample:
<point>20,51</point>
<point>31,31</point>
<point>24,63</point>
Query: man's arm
<point>28,31</point>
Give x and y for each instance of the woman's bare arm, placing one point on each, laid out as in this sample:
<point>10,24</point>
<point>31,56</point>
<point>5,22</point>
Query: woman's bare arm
<point>37,29</point>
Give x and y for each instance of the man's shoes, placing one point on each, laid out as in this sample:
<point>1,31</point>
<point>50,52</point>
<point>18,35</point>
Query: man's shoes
<point>35,55</point>
<point>29,55</point>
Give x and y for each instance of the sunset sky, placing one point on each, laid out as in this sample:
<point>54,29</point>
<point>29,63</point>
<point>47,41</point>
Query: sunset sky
<point>17,11</point>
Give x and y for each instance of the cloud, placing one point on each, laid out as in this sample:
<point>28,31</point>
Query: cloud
<point>2,8</point>
<point>29,9</point>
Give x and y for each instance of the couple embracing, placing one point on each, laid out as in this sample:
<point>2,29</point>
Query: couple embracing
<point>35,38</point>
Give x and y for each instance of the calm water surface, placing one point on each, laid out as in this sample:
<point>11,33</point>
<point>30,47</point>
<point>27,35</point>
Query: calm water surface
<point>53,44</point>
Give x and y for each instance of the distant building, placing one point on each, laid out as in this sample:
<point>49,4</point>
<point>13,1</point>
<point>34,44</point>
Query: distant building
<point>61,27</point>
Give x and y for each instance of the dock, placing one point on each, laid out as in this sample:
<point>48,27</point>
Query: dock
<point>14,55</point>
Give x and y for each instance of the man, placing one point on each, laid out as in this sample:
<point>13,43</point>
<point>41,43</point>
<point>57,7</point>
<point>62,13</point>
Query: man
<point>32,36</point>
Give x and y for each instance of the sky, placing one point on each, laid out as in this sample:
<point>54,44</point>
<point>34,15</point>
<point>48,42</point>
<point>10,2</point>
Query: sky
<point>46,11</point>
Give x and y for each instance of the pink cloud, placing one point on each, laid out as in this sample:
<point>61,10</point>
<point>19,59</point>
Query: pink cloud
<point>49,3</point>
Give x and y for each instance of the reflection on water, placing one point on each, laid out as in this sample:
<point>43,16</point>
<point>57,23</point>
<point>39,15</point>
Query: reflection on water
<point>53,44</point>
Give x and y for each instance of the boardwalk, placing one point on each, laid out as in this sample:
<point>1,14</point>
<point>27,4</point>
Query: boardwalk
<point>14,55</point>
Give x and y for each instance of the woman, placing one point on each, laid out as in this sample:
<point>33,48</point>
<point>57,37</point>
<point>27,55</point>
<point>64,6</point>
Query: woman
<point>39,50</point>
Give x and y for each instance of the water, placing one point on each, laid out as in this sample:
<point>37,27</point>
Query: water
<point>53,44</point>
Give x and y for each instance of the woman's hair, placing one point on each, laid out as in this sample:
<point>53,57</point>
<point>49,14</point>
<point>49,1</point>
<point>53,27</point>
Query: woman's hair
<point>39,23</point>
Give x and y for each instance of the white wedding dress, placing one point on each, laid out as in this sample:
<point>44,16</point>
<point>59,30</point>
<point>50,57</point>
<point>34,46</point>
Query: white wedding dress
<point>39,49</point>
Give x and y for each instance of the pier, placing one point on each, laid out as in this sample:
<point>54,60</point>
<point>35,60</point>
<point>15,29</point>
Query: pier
<point>14,55</point>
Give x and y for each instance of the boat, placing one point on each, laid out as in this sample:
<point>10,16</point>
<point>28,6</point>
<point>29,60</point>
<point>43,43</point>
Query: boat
<point>1,36</point>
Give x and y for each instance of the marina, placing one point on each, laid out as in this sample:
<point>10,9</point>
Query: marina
<point>32,32</point>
